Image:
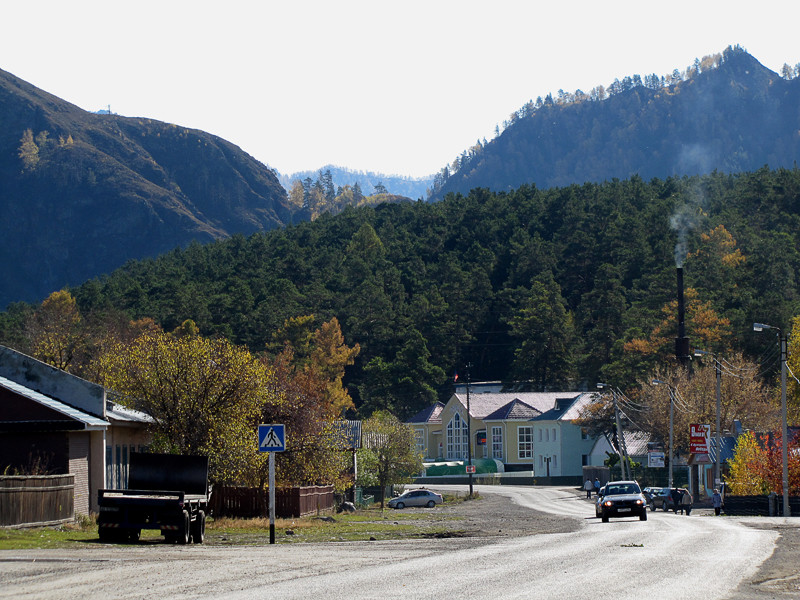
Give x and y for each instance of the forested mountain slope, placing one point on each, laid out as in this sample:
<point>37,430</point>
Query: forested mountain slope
<point>726,113</point>
<point>545,286</point>
<point>81,193</point>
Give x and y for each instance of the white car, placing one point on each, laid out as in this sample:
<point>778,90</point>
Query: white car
<point>416,498</point>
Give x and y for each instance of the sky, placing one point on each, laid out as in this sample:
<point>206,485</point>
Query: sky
<point>392,87</point>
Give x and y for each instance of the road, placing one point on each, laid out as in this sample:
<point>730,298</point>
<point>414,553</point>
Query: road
<point>666,556</point>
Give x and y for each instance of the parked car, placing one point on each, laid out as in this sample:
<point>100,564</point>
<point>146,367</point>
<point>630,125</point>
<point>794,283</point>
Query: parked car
<point>621,499</point>
<point>416,498</point>
<point>663,499</point>
<point>653,495</point>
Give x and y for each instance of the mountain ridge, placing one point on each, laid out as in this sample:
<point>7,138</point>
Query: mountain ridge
<point>130,187</point>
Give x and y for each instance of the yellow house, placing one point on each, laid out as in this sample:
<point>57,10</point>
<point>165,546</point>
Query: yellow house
<point>525,431</point>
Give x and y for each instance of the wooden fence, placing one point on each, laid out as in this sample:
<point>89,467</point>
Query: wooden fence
<point>242,502</point>
<point>36,500</point>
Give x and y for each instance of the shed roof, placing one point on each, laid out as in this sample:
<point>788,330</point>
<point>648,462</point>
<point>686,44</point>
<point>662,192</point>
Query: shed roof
<point>88,421</point>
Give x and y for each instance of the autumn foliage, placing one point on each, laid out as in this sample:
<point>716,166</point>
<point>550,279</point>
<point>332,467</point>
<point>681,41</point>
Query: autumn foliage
<point>757,466</point>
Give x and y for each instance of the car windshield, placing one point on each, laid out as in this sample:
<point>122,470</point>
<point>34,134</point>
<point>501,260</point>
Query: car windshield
<point>629,488</point>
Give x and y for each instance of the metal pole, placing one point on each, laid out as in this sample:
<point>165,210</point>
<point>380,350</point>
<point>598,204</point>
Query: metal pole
<point>719,439</point>
<point>469,436</point>
<point>620,441</point>
<point>787,511</point>
<point>671,419</point>
<point>272,495</point>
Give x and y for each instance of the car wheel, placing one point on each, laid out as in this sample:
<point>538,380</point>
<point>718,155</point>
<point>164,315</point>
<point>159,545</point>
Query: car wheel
<point>653,506</point>
<point>605,519</point>
<point>431,504</point>
<point>664,506</point>
<point>399,505</point>
<point>643,515</point>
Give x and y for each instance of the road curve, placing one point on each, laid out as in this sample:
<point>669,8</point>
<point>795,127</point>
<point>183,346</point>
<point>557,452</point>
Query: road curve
<point>666,556</point>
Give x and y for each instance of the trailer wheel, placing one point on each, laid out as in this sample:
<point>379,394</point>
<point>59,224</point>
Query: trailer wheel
<point>199,528</point>
<point>184,532</point>
<point>105,535</point>
<point>134,535</point>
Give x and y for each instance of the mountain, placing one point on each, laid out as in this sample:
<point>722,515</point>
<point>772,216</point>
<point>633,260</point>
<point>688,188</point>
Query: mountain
<point>410,187</point>
<point>82,193</point>
<point>727,113</point>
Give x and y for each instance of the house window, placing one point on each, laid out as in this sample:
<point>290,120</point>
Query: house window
<point>457,439</point>
<point>497,442</point>
<point>584,433</point>
<point>525,442</point>
<point>546,435</point>
<point>585,460</point>
<point>554,434</point>
<point>419,440</point>
<point>555,460</point>
<point>540,435</point>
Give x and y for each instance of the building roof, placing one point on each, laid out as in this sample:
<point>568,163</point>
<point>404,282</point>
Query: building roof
<point>483,405</point>
<point>88,421</point>
<point>431,414</point>
<point>635,442</point>
<point>567,406</point>
<point>514,410</point>
<point>119,413</point>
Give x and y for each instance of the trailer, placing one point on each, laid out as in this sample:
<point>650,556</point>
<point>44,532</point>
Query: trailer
<point>167,492</point>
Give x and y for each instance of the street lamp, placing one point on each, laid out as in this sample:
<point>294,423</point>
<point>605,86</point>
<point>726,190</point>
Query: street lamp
<point>623,456</point>
<point>671,422</point>
<point>718,457</point>
<point>787,511</point>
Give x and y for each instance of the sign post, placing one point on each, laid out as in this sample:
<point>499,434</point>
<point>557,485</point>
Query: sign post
<point>272,439</point>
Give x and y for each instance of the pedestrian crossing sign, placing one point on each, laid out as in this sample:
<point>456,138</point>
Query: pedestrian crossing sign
<point>271,438</point>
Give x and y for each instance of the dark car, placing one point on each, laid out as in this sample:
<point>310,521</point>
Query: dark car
<point>654,495</point>
<point>663,499</point>
<point>621,499</point>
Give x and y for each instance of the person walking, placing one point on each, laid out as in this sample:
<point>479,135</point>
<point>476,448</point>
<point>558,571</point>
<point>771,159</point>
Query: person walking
<point>686,503</point>
<point>716,502</point>
<point>588,486</point>
<point>675,494</point>
<point>596,486</point>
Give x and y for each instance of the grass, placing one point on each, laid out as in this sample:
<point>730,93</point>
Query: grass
<point>363,525</point>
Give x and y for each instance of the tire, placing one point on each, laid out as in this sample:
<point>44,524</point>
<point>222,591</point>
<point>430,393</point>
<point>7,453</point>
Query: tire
<point>399,506</point>
<point>431,504</point>
<point>184,532</point>
<point>664,506</point>
<point>643,515</point>
<point>106,535</point>
<point>605,519</point>
<point>199,528</point>
<point>134,535</point>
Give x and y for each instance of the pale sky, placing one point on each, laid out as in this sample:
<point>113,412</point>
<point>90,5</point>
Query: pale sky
<point>393,87</point>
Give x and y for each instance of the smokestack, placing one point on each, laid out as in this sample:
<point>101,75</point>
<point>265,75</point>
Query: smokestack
<point>682,341</point>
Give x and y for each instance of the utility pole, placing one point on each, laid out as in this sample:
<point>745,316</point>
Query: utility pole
<point>469,433</point>
<point>787,510</point>
<point>620,438</point>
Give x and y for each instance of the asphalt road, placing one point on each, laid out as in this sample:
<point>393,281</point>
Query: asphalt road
<point>667,556</point>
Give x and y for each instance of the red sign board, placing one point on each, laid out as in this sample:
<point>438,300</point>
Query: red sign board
<point>470,468</point>
<point>699,438</point>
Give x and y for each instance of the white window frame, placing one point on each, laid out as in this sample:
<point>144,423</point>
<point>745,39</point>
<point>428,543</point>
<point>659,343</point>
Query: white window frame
<point>457,437</point>
<point>524,442</point>
<point>497,442</point>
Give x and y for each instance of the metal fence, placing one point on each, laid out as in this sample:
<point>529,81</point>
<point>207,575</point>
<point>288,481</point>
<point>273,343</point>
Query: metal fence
<point>244,502</point>
<point>30,500</point>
